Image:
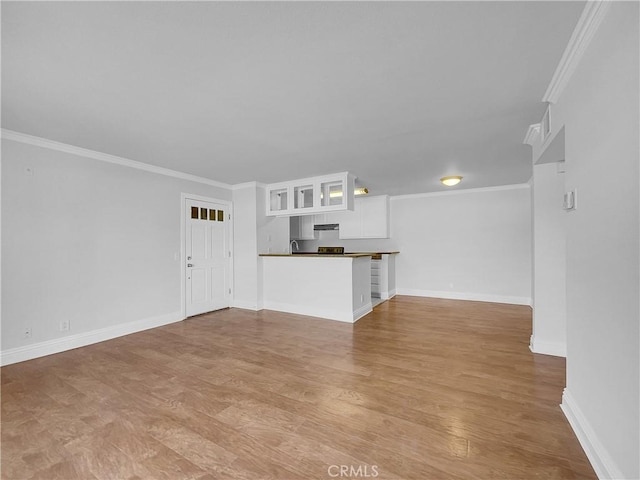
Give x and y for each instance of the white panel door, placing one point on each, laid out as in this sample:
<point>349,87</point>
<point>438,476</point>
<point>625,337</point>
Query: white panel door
<point>207,257</point>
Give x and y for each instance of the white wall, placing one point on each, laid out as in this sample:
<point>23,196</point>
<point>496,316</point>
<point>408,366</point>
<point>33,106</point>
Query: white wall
<point>273,232</point>
<point>473,244</point>
<point>549,334</point>
<point>254,233</point>
<point>273,237</point>
<point>245,240</point>
<point>87,241</point>
<point>599,111</point>
<point>466,244</point>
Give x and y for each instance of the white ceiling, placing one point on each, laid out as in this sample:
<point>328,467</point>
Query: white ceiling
<point>399,94</point>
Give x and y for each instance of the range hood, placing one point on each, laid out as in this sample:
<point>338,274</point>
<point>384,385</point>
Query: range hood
<point>326,226</point>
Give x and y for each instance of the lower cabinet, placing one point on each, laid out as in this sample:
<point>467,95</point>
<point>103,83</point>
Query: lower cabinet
<point>383,276</point>
<point>375,277</point>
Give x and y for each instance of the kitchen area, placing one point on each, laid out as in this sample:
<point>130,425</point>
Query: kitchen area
<point>339,265</point>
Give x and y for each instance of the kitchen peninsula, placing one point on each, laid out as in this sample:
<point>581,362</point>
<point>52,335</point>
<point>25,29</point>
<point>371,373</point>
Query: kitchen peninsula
<point>337,287</point>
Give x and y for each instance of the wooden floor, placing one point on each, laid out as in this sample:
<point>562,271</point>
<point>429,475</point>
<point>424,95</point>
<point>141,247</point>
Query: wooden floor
<point>419,389</point>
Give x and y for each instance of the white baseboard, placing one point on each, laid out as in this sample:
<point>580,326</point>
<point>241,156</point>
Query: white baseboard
<point>477,297</point>
<point>328,313</point>
<point>49,347</point>
<point>362,311</point>
<point>599,457</point>
<point>557,349</point>
<point>246,305</point>
<point>388,295</point>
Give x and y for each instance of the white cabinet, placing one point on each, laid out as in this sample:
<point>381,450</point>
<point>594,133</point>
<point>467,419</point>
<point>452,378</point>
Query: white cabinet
<point>278,199</point>
<point>302,227</point>
<point>321,219</point>
<point>369,219</point>
<point>350,223</point>
<point>383,276</point>
<point>329,217</point>
<point>375,216</point>
<point>375,276</point>
<point>307,196</point>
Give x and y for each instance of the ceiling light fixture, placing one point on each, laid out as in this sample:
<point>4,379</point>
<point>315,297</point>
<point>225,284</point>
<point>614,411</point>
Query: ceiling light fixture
<point>338,194</point>
<point>451,180</point>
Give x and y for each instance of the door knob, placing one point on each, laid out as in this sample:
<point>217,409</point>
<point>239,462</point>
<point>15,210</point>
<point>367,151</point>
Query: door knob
<point>189,264</point>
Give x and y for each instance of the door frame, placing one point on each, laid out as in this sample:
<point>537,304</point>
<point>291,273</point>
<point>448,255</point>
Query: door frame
<point>183,261</point>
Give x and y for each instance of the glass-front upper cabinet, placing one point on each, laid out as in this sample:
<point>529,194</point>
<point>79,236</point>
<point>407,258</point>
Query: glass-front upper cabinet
<point>303,197</point>
<point>313,195</point>
<point>278,200</point>
<point>332,193</point>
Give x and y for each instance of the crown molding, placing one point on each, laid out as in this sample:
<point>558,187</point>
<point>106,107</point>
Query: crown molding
<point>105,157</point>
<point>239,186</point>
<point>532,134</point>
<point>460,192</point>
<point>590,20</point>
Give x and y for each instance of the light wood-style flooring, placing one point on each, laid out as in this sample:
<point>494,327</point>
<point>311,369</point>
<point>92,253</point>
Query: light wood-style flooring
<point>419,389</point>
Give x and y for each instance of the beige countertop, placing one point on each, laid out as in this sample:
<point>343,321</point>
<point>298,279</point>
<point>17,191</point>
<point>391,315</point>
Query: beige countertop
<point>380,253</point>
<point>315,255</point>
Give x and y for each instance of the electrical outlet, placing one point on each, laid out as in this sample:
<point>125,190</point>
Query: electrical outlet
<point>26,332</point>
<point>64,326</point>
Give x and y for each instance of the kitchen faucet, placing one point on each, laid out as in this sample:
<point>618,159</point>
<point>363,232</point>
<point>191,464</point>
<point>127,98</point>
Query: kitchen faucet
<point>291,246</point>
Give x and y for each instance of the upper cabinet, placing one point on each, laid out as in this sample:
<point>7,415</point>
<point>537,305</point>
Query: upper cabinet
<point>369,219</point>
<point>311,195</point>
<point>375,216</point>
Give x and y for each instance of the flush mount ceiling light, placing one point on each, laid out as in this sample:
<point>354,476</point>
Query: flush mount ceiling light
<point>452,180</point>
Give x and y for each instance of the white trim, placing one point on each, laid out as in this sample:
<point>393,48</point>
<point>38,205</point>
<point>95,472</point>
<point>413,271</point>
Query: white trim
<point>326,313</point>
<point>362,311</point>
<point>183,225</point>
<point>557,349</point>
<point>49,347</point>
<point>105,157</point>
<point>476,297</point>
<point>388,295</point>
<point>239,186</point>
<point>463,191</point>
<point>590,20</point>
<point>245,305</point>
<point>545,124</point>
<point>532,134</point>
<point>597,454</point>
